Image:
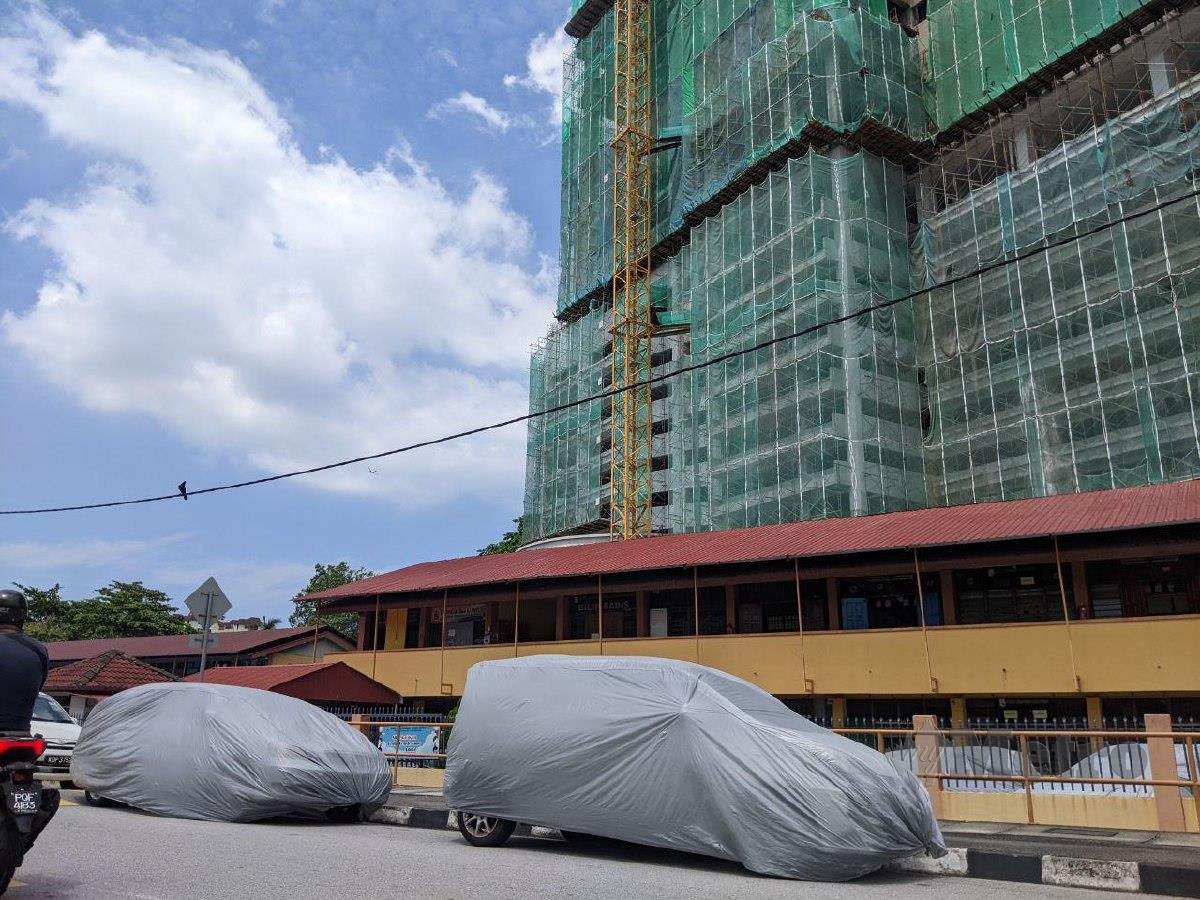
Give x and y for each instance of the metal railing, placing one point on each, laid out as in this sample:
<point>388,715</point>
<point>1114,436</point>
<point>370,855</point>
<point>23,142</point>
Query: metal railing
<point>1041,762</point>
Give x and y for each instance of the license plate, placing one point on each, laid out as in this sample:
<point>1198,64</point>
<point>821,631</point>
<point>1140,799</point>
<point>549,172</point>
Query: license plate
<point>24,802</point>
<point>56,760</point>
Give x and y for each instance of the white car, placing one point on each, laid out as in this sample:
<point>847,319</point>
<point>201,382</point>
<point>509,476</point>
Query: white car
<point>60,730</point>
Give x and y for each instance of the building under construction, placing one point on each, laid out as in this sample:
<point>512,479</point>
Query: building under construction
<point>1030,162</point>
<point>1008,187</point>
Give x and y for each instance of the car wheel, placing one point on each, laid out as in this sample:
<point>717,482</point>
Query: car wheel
<point>345,814</point>
<point>93,799</point>
<point>484,831</point>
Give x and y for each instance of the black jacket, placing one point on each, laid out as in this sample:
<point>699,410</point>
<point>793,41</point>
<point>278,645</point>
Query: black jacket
<point>23,667</point>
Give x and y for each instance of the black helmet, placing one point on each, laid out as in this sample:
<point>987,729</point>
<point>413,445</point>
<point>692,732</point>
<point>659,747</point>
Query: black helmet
<point>13,608</point>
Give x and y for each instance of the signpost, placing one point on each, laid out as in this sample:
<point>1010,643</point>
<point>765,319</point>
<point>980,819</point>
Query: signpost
<point>207,603</point>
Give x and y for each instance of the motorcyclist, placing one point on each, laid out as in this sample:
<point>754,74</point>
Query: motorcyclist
<point>24,664</point>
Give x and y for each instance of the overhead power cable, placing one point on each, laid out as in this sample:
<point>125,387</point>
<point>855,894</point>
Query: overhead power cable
<point>612,392</point>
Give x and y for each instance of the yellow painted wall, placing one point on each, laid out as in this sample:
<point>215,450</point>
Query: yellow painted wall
<point>1118,656</point>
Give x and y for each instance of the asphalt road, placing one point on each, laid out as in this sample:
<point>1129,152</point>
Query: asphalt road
<point>111,853</point>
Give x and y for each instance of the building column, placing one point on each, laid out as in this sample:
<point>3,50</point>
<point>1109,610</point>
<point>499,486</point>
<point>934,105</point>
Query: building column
<point>1083,602</point>
<point>838,714</point>
<point>949,598</point>
<point>1095,714</point>
<point>958,719</point>
<point>643,615</point>
<point>424,626</point>
<point>831,604</point>
<point>560,618</point>
<point>1168,801</point>
<point>929,758</point>
<point>363,619</point>
<point>730,609</point>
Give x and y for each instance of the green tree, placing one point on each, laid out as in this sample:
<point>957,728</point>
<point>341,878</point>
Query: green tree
<point>47,611</point>
<point>269,624</point>
<point>506,544</point>
<point>119,609</point>
<point>124,609</point>
<point>325,577</point>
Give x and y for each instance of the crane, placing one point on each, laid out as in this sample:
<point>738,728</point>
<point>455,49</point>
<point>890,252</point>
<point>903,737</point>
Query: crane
<point>630,486</point>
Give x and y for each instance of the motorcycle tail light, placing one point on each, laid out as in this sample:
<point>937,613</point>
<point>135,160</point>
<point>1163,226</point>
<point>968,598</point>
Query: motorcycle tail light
<point>36,746</point>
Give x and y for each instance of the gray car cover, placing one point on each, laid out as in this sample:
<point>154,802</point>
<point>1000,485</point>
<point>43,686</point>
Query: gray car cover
<point>232,754</point>
<point>677,755</point>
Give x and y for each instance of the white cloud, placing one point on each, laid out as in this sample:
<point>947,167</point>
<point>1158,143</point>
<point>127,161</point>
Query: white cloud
<point>281,310</point>
<point>51,556</point>
<point>175,563</point>
<point>544,70</point>
<point>490,118</point>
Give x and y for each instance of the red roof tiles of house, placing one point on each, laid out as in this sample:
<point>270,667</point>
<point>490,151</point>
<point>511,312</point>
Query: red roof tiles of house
<point>333,682</point>
<point>1098,511</point>
<point>173,645</point>
<point>103,675</point>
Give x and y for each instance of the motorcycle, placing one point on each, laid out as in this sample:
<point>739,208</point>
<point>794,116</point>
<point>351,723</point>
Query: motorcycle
<point>27,806</point>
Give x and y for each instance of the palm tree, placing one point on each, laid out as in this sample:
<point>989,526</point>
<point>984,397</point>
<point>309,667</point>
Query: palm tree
<point>268,624</point>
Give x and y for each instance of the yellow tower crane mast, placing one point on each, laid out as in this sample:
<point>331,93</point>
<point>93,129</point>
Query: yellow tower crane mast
<point>630,488</point>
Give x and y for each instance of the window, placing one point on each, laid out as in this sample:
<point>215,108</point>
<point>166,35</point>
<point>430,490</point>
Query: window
<point>889,601</point>
<point>671,613</point>
<point>1164,586</point>
<point>1010,594</point>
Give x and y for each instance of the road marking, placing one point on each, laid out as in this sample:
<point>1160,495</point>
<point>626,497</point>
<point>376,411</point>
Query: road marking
<point>62,802</point>
<point>16,884</point>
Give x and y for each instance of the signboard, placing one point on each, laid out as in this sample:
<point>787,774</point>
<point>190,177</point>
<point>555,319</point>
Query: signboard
<point>207,641</point>
<point>417,740</point>
<point>208,600</point>
<point>455,611</point>
<point>658,622</point>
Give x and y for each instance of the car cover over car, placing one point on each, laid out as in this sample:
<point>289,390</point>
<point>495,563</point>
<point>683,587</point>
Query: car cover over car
<point>233,754</point>
<point>677,755</point>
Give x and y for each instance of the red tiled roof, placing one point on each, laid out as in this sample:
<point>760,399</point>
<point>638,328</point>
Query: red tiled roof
<point>333,681</point>
<point>1098,511</point>
<point>228,642</point>
<point>105,674</point>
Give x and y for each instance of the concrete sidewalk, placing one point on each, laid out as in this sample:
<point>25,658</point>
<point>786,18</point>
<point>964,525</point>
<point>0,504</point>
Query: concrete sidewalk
<point>1146,862</point>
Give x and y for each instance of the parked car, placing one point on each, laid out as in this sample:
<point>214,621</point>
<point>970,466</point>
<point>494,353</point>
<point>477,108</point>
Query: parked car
<point>225,753</point>
<point>675,755</point>
<point>60,731</point>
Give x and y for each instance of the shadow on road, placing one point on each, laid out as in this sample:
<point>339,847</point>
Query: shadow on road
<point>621,851</point>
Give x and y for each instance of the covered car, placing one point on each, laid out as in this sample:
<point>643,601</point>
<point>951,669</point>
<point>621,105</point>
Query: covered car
<point>676,755</point>
<point>233,754</point>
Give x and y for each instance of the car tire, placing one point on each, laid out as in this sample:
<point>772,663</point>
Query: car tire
<point>575,837</point>
<point>344,815</point>
<point>93,799</point>
<point>484,831</point>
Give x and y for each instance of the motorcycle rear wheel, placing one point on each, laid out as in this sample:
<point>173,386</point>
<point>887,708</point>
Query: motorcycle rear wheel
<point>10,854</point>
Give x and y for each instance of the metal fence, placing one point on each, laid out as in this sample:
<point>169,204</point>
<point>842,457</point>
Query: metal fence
<point>1076,763</point>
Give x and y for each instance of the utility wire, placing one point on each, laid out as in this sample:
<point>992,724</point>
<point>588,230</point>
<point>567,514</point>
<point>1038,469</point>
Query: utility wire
<point>612,392</point>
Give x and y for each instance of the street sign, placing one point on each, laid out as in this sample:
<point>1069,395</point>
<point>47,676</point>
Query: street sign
<point>208,601</point>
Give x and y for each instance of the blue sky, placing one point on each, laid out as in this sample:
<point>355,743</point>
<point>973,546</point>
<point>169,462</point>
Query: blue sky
<point>237,238</point>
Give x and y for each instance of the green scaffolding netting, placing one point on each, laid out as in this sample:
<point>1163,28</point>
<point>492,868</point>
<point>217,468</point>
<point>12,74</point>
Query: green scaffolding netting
<point>978,49</point>
<point>1072,369</point>
<point>736,80</point>
<point>1079,368</point>
<point>563,460</point>
<point>824,425</point>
